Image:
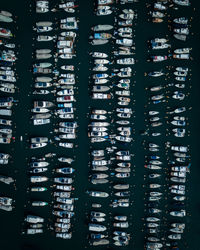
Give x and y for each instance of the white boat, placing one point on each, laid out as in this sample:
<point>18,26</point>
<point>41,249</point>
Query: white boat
<point>100,67</point>
<point>97,227</point>
<point>98,194</point>
<point>99,41</point>
<point>126,61</point>
<point>182,2</point>
<point>37,179</point>
<point>123,138</point>
<point>103,12</point>
<point>101,96</point>
<point>181,20</point>
<point>127,16</point>
<point>101,61</point>
<point>34,219</point>
<point>124,42</point>
<point>38,145</point>
<point>66,144</point>
<point>181,56</point>
<point>64,235</point>
<point>182,51</point>
<point>99,55</point>
<point>182,31</point>
<point>100,88</point>
<point>37,122</point>
<point>102,27</point>
<point>181,213</point>
<point>105,2</point>
<point>43,38</point>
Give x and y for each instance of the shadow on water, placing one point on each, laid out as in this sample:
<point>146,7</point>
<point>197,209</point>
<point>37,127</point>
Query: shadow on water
<point>30,247</point>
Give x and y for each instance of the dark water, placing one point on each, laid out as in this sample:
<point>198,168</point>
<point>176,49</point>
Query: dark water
<point>12,223</point>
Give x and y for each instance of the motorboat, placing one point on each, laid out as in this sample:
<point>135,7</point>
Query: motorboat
<point>178,95</point>
<point>121,186</point>
<point>43,38</point>
<point>181,73</point>
<point>156,74</point>
<point>153,167</point>
<point>97,227</point>
<point>126,61</point>
<point>101,96</point>
<point>34,219</point>
<point>182,2</point>
<point>182,51</point>
<point>124,42</point>
<point>37,179</point>
<point>103,11</point>
<point>64,235</point>
<point>180,37</point>
<point>181,20</point>
<point>159,58</point>
<point>181,56</point>
<point>99,41</point>
<point>183,149</point>
<point>102,36</point>
<point>5,33</point>
<point>156,46</point>
<point>98,194</point>
<point>102,27</point>
<point>157,14</point>
<point>100,55</point>
<point>100,76</point>
<point>181,213</point>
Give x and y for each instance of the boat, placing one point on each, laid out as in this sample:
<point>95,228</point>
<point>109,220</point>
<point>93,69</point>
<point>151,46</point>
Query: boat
<point>104,2</point>
<point>181,213</point>
<point>151,166</point>
<point>34,219</point>
<point>121,224</point>
<point>156,74</point>
<point>152,245</point>
<point>37,179</point>
<point>101,96</point>
<point>102,27</point>
<point>99,41</point>
<point>156,45</point>
<point>39,203</point>
<point>66,144</point>
<point>126,61</point>
<point>43,38</point>
<point>44,23</point>
<point>181,20</point>
<point>96,227</point>
<point>65,170</point>
<point>180,37</point>
<point>98,194</point>
<point>38,189</point>
<point>127,16</point>
<point>99,242</point>
<point>124,42</point>
<point>182,51</point>
<point>159,58</point>
<point>104,11</point>
<point>5,33</point>
<point>64,235</point>
<point>182,2</point>
<point>5,19</point>
<point>157,20</point>
<point>181,56</point>
<point>99,55</point>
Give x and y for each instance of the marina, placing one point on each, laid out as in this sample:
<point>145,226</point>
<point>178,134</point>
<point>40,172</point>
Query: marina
<point>99,124</point>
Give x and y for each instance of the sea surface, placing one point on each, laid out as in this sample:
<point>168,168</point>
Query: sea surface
<point>11,224</point>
